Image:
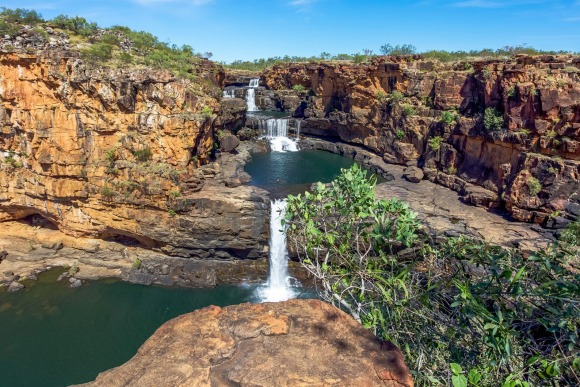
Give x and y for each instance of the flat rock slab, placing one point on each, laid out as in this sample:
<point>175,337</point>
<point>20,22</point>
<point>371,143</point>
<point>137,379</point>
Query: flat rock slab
<point>293,343</point>
<point>445,215</point>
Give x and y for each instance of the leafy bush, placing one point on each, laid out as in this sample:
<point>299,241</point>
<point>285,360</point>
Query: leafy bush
<point>144,154</point>
<point>400,134</point>
<point>405,49</point>
<point>298,88</point>
<point>534,186</point>
<point>408,111</point>
<point>8,28</point>
<point>396,96</point>
<point>77,25</point>
<point>435,143</point>
<point>511,91</point>
<point>495,315</point>
<point>206,112</point>
<point>21,16</point>
<point>448,118</point>
<point>492,120</point>
<point>100,52</point>
<point>381,96</point>
<point>571,234</point>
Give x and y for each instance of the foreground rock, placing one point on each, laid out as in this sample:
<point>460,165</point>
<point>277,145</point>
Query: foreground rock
<point>298,342</point>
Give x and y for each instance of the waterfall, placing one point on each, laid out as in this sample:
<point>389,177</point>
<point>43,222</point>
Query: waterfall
<point>276,131</point>
<point>254,82</point>
<point>251,100</point>
<point>298,123</point>
<point>278,287</point>
<point>229,93</point>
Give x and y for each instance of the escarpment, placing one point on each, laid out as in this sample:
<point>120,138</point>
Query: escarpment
<point>502,133</point>
<point>122,154</point>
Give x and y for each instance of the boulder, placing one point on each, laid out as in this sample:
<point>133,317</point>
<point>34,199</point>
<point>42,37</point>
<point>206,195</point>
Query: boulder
<point>15,286</point>
<point>413,174</point>
<point>298,342</point>
<point>229,142</point>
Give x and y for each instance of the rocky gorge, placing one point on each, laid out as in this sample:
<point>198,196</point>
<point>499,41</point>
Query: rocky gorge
<point>508,127</point>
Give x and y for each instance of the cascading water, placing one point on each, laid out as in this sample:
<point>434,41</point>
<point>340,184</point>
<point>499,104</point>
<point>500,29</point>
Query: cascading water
<point>276,131</point>
<point>251,95</point>
<point>298,123</point>
<point>278,287</point>
<point>254,82</point>
<point>230,93</point>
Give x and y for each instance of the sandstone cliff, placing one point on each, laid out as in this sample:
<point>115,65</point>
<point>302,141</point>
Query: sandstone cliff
<point>526,153</point>
<point>122,154</point>
<point>293,343</point>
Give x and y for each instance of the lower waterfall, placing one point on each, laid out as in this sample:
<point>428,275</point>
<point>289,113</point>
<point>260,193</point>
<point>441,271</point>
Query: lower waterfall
<point>279,284</point>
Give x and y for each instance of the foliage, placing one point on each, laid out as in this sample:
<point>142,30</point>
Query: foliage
<point>400,134</point>
<point>511,91</point>
<point>435,143</point>
<point>396,96</point>
<point>100,52</point>
<point>465,313</point>
<point>206,112</point>
<point>492,120</point>
<point>77,25</point>
<point>405,49</point>
<point>408,111</point>
<point>144,154</point>
<point>448,117</point>
<point>107,192</point>
<point>571,234</point>
<point>20,16</point>
<point>137,263</point>
<point>381,96</point>
<point>534,186</point>
<point>298,88</point>
<point>452,170</point>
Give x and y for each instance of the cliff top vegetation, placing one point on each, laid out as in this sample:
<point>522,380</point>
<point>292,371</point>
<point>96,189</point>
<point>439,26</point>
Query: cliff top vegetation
<point>115,46</point>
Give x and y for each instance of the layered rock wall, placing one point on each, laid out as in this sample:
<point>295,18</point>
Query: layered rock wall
<point>122,154</point>
<point>411,110</point>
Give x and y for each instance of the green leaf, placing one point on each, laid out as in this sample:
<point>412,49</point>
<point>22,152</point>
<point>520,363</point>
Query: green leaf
<point>474,376</point>
<point>456,368</point>
<point>459,381</point>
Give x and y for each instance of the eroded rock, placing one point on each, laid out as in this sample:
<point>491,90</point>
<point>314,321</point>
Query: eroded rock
<point>298,342</point>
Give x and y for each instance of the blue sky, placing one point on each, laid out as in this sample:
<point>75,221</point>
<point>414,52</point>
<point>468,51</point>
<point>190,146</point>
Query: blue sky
<point>235,29</point>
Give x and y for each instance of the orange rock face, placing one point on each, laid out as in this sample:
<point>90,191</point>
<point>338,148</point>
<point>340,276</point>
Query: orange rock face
<point>394,106</point>
<point>293,343</point>
<point>105,153</point>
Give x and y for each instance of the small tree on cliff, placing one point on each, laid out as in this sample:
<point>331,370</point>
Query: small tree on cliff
<point>506,319</point>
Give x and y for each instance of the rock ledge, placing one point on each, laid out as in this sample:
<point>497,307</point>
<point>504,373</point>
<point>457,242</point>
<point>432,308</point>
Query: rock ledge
<point>298,342</point>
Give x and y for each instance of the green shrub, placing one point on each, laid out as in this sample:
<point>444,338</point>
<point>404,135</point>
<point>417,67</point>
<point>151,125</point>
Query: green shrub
<point>8,28</point>
<point>137,264</point>
<point>408,111</point>
<point>206,112</point>
<point>107,192</point>
<point>448,118</point>
<point>144,154</point>
<point>571,234</point>
<point>298,88</point>
<point>493,120</point>
<point>381,96</point>
<point>77,25</point>
<point>534,186</point>
<point>400,134</point>
<point>435,143</point>
<point>452,170</point>
<point>21,16</point>
<point>511,91</point>
<point>464,312</point>
<point>100,52</point>
<point>396,96</point>
<point>126,58</point>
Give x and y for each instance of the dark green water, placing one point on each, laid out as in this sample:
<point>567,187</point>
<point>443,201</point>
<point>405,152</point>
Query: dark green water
<point>283,173</point>
<point>52,335</point>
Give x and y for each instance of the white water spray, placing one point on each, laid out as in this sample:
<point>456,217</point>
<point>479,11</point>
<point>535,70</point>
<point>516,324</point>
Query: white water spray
<point>229,93</point>
<point>298,123</point>
<point>278,287</point>
<point>251,95</point>
<point>276,131</point>
<point>254,82</point>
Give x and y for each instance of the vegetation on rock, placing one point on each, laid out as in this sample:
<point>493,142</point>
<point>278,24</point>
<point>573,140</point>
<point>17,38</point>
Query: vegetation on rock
<point>464,311</point>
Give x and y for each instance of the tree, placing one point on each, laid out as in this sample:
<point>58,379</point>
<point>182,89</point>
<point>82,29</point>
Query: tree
<point>500,317</point>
